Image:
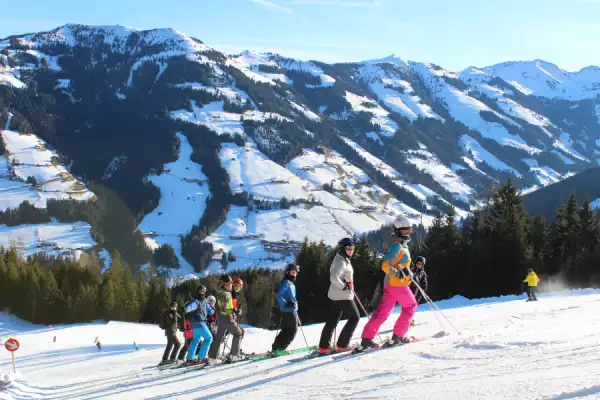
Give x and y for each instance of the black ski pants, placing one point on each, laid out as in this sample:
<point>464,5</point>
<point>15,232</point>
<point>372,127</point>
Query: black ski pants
<point>173,344</point>
<point>289,328</point>
<point>337,309</point>
<point>531,292</point>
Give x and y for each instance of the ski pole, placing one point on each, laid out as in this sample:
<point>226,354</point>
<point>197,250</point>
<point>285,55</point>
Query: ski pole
<point>302,330</point>
<point>429,304</point>
<point>440,312</point>
<point>224,344</point>
<point>364,310</point>
<point>435,308</point>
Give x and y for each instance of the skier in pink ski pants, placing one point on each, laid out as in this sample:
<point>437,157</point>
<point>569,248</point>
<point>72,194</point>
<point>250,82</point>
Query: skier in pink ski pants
<point>396,266</point>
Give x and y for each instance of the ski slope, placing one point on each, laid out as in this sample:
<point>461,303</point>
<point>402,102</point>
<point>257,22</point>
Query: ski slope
<point>507,349</point>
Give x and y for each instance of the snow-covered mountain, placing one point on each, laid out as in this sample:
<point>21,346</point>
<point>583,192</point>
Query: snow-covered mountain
<point>241,157</point>
<point>506,349</point>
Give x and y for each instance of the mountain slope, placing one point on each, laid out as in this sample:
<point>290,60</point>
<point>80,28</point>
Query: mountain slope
<point>507,349</point>
<point>585,185</point>
<point>207,149</point>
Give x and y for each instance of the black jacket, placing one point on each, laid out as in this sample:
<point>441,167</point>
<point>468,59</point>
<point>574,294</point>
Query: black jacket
<point>420,277</point>
<point>171,322</point>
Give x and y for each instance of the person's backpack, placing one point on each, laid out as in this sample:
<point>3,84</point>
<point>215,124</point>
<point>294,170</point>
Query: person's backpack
<point>162,324</point>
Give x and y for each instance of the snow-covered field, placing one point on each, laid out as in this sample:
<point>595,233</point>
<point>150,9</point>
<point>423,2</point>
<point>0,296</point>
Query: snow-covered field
<point>27,157</point>
<point>506,349</point>
<point>183,194</point>
<point>54,238</point>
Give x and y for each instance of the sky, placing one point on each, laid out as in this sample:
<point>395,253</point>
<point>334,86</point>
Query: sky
<point>454,34</point>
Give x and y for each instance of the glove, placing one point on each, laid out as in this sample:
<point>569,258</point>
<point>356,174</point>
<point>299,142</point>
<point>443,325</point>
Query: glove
<point>290,304</point>
<point>238,312</point>
<point>349,286</point>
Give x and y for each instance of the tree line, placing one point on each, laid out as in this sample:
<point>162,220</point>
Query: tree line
<point>50,290</point>
<point>485,255</point>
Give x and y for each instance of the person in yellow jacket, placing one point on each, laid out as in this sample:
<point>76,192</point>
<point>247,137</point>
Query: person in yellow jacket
<point>396,289</point>
<point>531,281</point>
<point>226,322</point>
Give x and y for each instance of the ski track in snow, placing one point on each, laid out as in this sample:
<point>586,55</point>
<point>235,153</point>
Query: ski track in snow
<point>507,349</point>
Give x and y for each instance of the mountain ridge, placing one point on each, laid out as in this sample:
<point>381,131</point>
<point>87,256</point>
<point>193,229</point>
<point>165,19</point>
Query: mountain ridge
<point>372,139</point>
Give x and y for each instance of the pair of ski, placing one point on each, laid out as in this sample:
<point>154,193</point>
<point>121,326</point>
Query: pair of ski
<point>358,350</point>
<point>389,344</point>
<point>253,357</point>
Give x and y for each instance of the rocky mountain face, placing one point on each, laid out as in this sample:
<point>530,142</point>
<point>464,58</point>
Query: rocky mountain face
<point>234,160</point>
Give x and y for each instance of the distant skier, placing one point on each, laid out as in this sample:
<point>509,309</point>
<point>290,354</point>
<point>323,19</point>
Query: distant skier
<point>170,325</point>
<point>99,345</point>
<point>288,307</point>
<point>226,322</point>
<point>54,340</point>
<point>198,311</point>
<point>396,265</point>
<point>420,278</point>
<point>341,294</point>
<point>135,346</point>
<point>212,319</point>
<point>531,281</point>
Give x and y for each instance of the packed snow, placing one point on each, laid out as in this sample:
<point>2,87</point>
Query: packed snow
<point>565,144</point>
<point>380,116</point>
<point>27,157</point>
<point>183,193</point>
<point>252,172</point>
<point>396,93</point>
<point>505,348</point>
<point>308,67</point>
<point>452,182</point>
<point>480,155</point>
<point>247,246</point>
<point>221,122</point>
<point>480,81</point>
<point>467,109</point>
<point>249,63</point>
<point>544,175</point>
<point>427,162</point>
<point>544,79</point>
<point>56,239</point>
<point>232,94</point>
<point>7,78</point>
<point>305,111</point>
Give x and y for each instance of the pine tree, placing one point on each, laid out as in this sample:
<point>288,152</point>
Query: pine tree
<point>536,236</point>
<point>509,248</point>
<point>589,232</point>
<point>108,300</point>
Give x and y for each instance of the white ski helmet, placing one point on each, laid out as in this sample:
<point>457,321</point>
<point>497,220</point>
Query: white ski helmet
<point>402,228</point>
<point>401,222</point>
<point>211,299</point>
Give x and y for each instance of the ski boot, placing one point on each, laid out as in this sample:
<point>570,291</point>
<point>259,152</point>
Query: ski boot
<point>364,345</point>
<point>398,341</point>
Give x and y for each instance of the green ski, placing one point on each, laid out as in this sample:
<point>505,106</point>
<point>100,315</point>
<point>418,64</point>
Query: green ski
<point>266,356</point>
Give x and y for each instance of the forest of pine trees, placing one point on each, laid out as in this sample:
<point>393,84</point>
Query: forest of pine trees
<point>488,255</point>
<point>46,290</point>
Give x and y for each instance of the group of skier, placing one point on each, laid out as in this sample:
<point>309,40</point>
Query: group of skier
<point>210,318</point>
<point>207,320</point>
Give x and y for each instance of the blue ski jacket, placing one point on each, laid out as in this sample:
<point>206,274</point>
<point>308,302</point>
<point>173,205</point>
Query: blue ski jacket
<point>200,310</point>
<point>286,296</point>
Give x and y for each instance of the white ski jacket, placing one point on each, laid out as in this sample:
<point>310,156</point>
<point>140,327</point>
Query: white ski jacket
<point>341,270</point>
